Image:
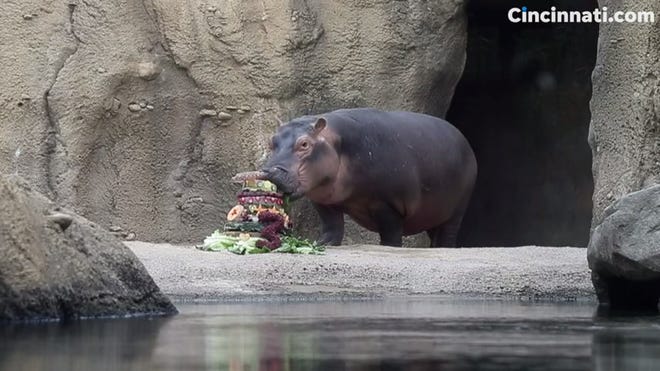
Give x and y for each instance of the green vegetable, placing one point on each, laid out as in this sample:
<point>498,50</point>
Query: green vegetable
<point>293,245</point>
<point>218,241</point>
<point>286,203</point>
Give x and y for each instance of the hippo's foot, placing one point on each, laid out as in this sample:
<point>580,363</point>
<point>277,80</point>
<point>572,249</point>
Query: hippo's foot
<point>440,239</point>
<point>391,240</point>
<point>444,235</point>
<point>329,239</point>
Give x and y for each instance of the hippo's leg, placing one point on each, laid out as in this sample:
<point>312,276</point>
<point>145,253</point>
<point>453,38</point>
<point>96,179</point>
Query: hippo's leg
<point>390,226</point>
<point>446,235</point>
<point>332,225</point>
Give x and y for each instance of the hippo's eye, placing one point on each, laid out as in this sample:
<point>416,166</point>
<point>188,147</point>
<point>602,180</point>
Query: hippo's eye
<point>303,144</point>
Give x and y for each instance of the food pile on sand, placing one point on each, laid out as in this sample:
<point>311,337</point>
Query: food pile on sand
<point>259,223</point>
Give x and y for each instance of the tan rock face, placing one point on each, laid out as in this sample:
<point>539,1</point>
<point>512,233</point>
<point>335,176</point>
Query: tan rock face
<point>100,101</point>
<point>625,129</point>
<point>56,264</point>
<point>33,51</point>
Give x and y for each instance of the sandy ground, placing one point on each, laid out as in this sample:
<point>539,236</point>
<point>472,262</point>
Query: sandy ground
<point>353,272</point>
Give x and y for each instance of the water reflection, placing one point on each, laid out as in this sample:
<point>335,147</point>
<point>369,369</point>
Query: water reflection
<point>627,343</point>
<point>425,334</point>
<point>80,345</point>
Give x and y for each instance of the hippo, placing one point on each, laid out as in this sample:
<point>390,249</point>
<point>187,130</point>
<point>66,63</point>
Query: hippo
<point>395,173</point>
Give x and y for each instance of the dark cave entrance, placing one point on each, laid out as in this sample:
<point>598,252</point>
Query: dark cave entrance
<point>523,103</point>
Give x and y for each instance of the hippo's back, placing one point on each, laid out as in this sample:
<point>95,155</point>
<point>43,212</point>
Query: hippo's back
<point>401,136</point>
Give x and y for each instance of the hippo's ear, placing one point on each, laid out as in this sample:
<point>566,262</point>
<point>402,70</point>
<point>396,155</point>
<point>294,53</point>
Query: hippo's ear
<point>318,126</point>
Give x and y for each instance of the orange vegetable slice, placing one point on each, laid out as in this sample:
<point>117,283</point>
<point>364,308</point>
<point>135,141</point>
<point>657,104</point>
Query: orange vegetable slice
<point>235,213</point>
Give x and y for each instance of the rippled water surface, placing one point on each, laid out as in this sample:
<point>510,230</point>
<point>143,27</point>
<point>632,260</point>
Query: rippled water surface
<point>396,334</point>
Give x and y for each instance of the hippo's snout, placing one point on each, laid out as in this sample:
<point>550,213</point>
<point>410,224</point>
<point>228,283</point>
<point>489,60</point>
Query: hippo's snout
<point>280,176</point>
<point>275,169</point>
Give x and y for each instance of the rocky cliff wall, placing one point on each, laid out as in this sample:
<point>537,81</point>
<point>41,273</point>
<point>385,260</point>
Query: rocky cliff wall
<point>625,128</point>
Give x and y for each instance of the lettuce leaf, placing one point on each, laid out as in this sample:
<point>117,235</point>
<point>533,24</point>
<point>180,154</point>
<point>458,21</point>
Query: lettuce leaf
<point>218,241</point>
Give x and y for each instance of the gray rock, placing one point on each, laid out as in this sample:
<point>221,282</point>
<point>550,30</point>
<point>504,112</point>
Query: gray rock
<point>624,136</point>
<point>61,219</point>
<point>224,116</point>
<point>148,70</point>
<point>624,251</point>
<point>112,104</point>
<point>67,268</point>
<point>134,107</point>
<point>208,113</point>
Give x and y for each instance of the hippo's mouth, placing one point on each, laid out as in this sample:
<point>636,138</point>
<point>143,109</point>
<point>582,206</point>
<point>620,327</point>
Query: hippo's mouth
<point>286,184</point>
<point>289,192</point>
<point>293,196</point>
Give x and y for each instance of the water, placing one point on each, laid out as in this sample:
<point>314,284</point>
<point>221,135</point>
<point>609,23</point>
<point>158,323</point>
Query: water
<point>398,334</point>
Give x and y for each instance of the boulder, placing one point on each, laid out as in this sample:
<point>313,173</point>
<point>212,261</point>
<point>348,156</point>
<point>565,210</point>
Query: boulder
<point>111,113</point>
<point>58,265</point>
<point>624,252</point>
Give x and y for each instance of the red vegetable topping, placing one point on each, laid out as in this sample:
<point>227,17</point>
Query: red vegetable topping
<point>274,226</point>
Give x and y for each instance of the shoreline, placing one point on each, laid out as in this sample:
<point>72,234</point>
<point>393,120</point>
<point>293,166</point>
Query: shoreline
<point>368,272</point>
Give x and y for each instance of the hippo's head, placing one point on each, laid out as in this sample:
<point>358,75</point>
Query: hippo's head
<point>302,157</point>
